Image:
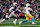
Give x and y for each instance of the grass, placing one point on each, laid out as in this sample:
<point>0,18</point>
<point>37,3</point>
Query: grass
<point>10,23</point>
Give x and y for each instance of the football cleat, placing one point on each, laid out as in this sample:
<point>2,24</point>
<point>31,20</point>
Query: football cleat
<point>14,22</point>
<point>33,23</point>
<point>20,22</point>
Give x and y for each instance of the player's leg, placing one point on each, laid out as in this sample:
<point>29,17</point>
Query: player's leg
<point>2,21</point>
<point>17,16</point>
<point>23,21</point>
<point>10,15</point>
<point>31,17</point>
<point>6,18</point>
<point>27,18</point>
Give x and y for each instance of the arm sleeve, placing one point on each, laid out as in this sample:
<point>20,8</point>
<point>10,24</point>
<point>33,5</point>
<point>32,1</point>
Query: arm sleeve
<point>18,10</point>
<point>31,9</point>
<point>11,9</point>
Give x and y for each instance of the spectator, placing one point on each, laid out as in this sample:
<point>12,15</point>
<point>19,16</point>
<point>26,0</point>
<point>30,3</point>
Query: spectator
<point>0,14</point>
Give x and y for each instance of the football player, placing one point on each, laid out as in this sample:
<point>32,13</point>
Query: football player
<point>27,10</point>
<point>13,12</point>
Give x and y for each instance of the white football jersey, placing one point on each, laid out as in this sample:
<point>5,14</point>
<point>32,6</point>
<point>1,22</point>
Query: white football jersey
<point>28,9</point>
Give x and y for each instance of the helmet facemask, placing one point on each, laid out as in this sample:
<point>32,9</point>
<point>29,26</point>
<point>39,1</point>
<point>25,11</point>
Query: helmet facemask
<point>27,5</point>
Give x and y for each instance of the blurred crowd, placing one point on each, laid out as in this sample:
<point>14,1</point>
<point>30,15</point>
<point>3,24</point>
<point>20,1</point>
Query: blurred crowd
<point>5,5</point>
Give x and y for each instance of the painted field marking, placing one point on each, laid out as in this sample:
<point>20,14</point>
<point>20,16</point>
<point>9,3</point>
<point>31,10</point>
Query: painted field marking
<point>30,25</point>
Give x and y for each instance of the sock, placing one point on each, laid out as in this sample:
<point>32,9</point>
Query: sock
<point>15,19</point>
<point>24,21</point>
<point>3,20</point>
<point>32,19</point>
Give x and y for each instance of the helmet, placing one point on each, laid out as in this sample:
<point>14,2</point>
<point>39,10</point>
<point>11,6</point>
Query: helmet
<point>27,4</point>
<point>14,3</point>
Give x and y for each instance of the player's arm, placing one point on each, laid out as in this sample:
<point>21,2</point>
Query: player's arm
<point>18,10</point>
<point>31,9</point>
<point>11,9</point>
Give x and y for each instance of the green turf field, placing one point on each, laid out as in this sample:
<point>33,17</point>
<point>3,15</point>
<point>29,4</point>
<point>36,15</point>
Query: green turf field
<point>26,24</point>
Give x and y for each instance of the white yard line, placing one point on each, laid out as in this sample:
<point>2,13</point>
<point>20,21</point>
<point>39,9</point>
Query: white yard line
<point>20,25</point>
<point>8,26</point>
<point>30,25</point>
